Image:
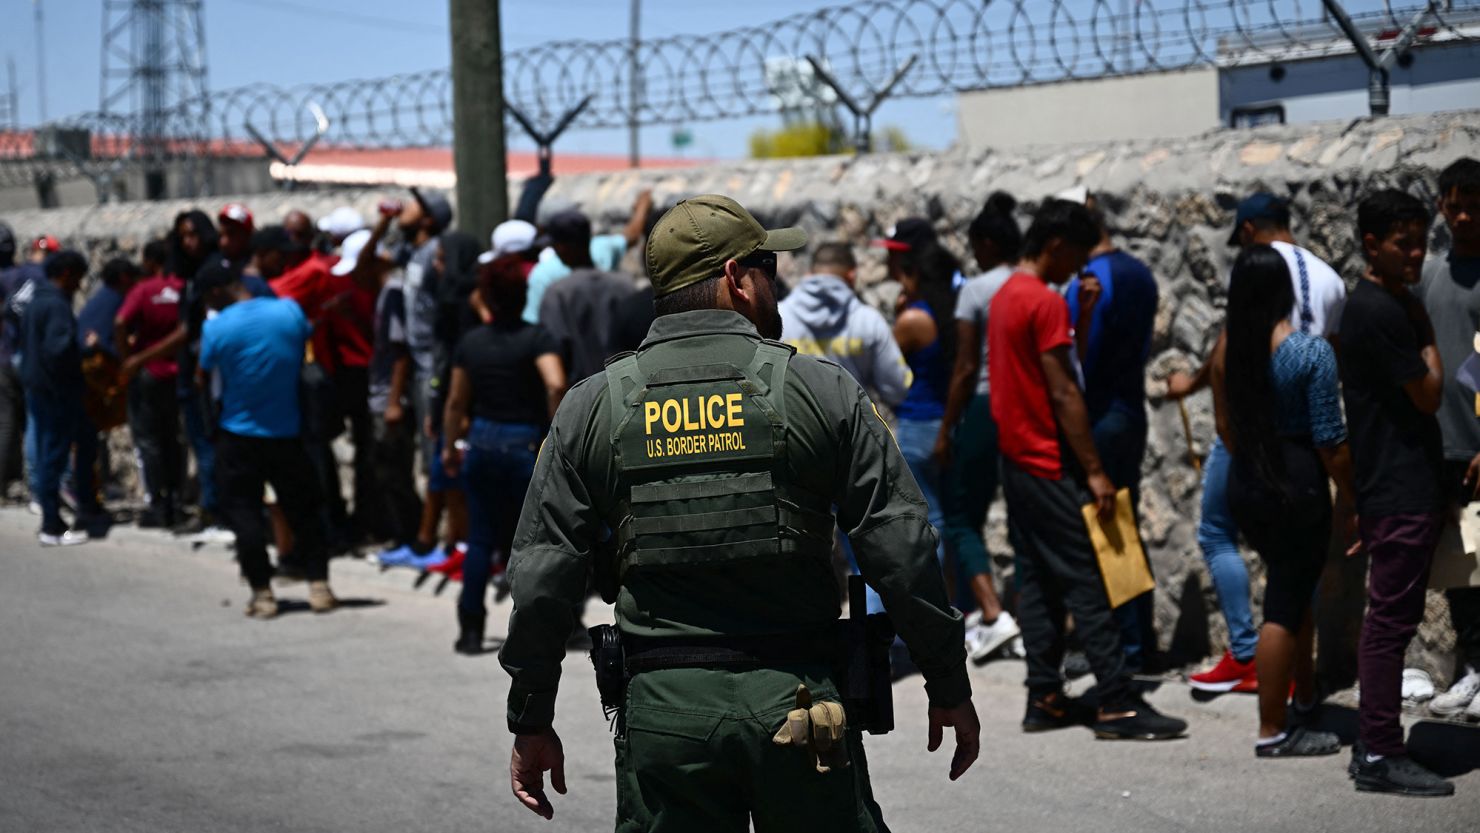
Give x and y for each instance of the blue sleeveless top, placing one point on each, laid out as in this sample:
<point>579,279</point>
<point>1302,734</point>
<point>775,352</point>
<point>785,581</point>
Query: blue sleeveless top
<point>927,397</point>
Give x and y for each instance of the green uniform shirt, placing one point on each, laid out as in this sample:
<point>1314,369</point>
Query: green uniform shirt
<point>838,447</point>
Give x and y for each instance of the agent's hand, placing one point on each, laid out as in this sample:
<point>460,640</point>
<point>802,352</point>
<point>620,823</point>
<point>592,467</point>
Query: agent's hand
<point>394,413</point>
<point>1103,492</point>
<point>533,756</point>
<point>968,734</point>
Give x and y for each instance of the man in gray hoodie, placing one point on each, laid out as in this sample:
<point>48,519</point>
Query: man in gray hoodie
<point>823,317</point>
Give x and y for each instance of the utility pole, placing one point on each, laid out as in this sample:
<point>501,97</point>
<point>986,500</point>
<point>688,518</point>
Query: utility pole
<point>40,62</point>
<point>634,71</point>
<point>478,117</point>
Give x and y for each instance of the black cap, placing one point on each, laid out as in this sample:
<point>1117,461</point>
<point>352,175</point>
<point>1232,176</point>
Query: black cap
<point>214,276</point>
<point>1261,206</point>
<point>908,234</point>
<point>273,239</point>
<point>568,226</point>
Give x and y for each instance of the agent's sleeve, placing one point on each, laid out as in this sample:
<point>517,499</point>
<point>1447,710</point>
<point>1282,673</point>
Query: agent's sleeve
<point>881,509</point>
<point>548,572</point>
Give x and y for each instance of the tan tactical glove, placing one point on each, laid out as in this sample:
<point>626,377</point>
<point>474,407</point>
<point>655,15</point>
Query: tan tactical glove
<point>820,730</point>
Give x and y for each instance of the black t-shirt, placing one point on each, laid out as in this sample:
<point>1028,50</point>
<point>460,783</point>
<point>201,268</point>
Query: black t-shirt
<point>1396,449</point>
<point>499,359</point>
<point>634,316</point>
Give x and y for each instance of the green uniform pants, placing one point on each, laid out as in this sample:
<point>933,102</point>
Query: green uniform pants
<point>697,756</point>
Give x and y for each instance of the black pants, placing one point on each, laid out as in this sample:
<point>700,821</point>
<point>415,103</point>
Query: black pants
<point>243,466</point>
<point>352,391</point>
<point>1289,528</point>
<point>154,422</point>
<point>12,425</point>
<point>393,503</point>
<point>1059,574</point>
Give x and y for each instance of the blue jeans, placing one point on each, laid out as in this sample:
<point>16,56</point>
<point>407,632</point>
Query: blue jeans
<point>59,423</point>
<point>1120,439</point>
<point>916,440</point>
<point>497,468</point>
<point>199,435</point>
<point>1217,535</point>
<point>966,492</point>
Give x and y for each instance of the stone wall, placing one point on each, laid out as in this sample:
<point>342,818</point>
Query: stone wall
<point>1168,202</point>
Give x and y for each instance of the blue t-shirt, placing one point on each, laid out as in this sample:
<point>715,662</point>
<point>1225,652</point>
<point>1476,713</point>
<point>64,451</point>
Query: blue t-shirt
<point>606,254</point>
<point>926,399</point>
<point>97,317</point>
<point>257,346</point>
<point>1119,335</point>
<point>1303,372</point>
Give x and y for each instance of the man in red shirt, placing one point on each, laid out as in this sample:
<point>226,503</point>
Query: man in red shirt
<point>150,314</point>
<point>1036,400</point>
<point>341,313</point>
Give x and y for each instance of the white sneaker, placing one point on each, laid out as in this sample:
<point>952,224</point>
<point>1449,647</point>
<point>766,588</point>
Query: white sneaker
<point>1418,687</point>
<point>1015,649</point>
<point>214,534</point>
<point>70,538</point>
<point>34,508</point>
<point>984,640</point>
<point>1460,697</point>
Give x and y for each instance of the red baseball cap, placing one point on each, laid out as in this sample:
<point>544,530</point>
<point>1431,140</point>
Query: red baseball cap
<point>46,243</point>
<point>908,234</point>
<point>235,212</point>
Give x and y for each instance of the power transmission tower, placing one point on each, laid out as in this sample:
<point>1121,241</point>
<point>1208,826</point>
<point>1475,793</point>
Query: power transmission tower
<point>154,73</point>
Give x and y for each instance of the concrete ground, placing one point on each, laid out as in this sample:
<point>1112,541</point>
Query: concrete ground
<point>134,696</point>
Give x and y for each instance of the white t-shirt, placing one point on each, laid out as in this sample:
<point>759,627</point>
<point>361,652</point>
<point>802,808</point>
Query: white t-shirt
<point>1319,296</point>
<point>972,304</point>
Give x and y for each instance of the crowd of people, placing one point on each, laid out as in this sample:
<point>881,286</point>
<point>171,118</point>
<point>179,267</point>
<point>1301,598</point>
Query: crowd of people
<point>237,355</point>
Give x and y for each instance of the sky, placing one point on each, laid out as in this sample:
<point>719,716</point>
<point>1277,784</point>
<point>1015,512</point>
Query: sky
<point>288,42</point>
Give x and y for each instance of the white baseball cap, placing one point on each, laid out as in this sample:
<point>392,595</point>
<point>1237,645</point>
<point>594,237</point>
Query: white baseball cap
<point>354,246</point>
<point>1077,194</point>
<point>510,237</point>
<point>341,222</point>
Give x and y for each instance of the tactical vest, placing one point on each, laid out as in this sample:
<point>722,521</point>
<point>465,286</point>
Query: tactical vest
<point>701,454</point>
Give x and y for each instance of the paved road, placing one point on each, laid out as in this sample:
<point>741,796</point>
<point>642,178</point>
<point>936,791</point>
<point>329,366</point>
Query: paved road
<point>134,696</point>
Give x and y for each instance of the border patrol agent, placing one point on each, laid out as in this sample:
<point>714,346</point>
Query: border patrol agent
<point>719,461</point>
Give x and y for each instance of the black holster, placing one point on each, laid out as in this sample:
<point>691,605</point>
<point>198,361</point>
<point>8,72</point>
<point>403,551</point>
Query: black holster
<point>868,693</point>
<point>611,667</point>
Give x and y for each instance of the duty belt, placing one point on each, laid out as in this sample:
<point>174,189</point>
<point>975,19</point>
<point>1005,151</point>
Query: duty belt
<point>812,647</point>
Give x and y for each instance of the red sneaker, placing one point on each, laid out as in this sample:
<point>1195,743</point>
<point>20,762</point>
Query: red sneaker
<point>1250,683</point>
<point>1228,675</point>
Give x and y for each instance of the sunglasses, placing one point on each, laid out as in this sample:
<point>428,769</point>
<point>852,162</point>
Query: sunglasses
<point>764,261</point>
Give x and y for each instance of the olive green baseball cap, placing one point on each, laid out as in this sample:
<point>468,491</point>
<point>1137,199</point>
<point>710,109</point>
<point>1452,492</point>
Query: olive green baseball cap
<point>694,239</point>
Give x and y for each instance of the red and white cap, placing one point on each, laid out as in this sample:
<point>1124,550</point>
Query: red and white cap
<point>236,213</point>
<point>46,243</point>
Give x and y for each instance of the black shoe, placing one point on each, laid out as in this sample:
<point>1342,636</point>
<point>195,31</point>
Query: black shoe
<point>1301,742</point>
<point>196,525</point>
<point>1136,720</point>
<point>1399,775</point>
<point>153,518</point>
<point>469,636</point>
<point>1054,711</point>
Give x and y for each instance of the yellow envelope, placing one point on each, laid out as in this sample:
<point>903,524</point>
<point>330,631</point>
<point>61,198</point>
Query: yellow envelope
<point>1118,548</point>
